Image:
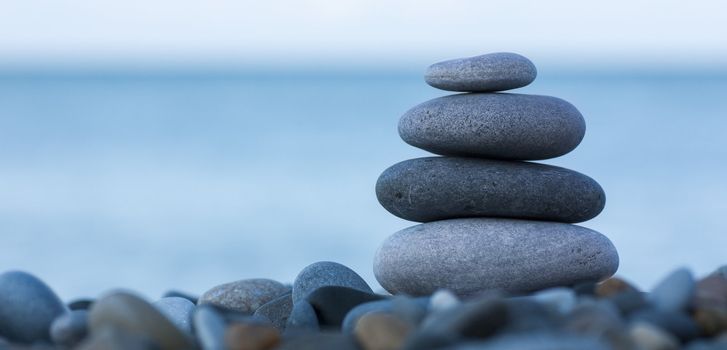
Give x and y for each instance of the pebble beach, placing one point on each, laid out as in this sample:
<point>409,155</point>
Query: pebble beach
<point>496,261</point>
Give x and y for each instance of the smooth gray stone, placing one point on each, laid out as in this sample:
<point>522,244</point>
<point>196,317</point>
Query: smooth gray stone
<point>438,188</point>
<point>70,328</point>
<point>559,299</point>
<point>277,310</point>
<point>27,307</point>
<point>209,326</point>
<point>498,126</point>
<point>303,318</point>
<point>326,273</point>
<point>178,310</point>
<point>491,72</point>
<point>674,292</point>
<point>469,256</point>
<point>244,295</point>
<point>538,341</point>
<point>131,314</point>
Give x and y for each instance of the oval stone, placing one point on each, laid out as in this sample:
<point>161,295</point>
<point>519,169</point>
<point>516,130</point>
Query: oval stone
<point>469,256</point>
<point>245,295</point>
<point>500,126</point>
<point>491,72</point>
<point>27,307</point>
<point>323,274</point>
<point>437,188</point>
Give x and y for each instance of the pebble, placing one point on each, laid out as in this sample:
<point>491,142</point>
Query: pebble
<point>499,126</point>
<point>561,300</point>
<point>131,314</point>
<point>277,310</point>
<point>176,293</point>
<point>116,339</point>
<point>302,318</point>
<point>537,341</point>
<point>178,310</point>
<point>491,72</point>
<point>468,256</point>
<point>476,319</point>
<point>320,341</point>
<point>613,286</point>
<point>525,315</point>
<point>70,328</point>
<point>712,320</point>
<point>438,188</point>
<point>326,273</point>
<point>675,292</point>
<point>648,337</point>
<point>244,295</point>
<point>250,337</point>
<point>27,307</point>
<point>380,331</point>
<point>676,323</point>
<point>332,303</point>
<point>443,299</point>
<point>412,310</point>
<point>209,327</point>
<point>80,304</point>
<point>711,291</point>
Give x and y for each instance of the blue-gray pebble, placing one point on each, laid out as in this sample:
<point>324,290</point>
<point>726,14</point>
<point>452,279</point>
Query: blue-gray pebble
<point>326,273</point>
<point>501,126</point>
<point>70,328</point>
<point>178,310</point>
<point>674,292</point>
<point>468,256</point>
<point>490,72</point>
<point>437,188</point>
<point>302,318</point>
<point>27,307</point>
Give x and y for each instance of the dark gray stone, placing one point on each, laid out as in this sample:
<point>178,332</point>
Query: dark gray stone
<point>409,309</point>
<point>302,318</point>
<point>116,339</point>
<point>319,341</point>
<point>27,307</point>
<point>244,295</point>
<point>674,292</point>
<point>277,311</point>
<point>438,188</point>
<point>178,310</point>
<point>209,327</point>
<point>538,341</point>
<point>332,303</point>
<point>525,315</point>
<point>677,323</point>
<point>326,273</point>
<point>500,126</point>
<point>469,256</point>
<point>176,293</point>
<point>80,304</point>
<point>132,315</point>
<point>491,72</point>
<point>70,328</point>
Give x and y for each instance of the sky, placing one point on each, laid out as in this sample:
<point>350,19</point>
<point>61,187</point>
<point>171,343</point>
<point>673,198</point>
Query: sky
<point>372,32</point>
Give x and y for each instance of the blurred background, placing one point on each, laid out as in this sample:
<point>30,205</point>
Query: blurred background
<point>181,144</point>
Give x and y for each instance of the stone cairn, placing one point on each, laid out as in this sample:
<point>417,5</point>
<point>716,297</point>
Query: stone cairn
<point>491,220</point>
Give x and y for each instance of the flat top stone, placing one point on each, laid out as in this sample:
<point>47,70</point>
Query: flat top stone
<point>485,73</point>
<point>494,125</point>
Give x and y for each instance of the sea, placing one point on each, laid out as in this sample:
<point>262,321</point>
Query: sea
<point>158,180</point>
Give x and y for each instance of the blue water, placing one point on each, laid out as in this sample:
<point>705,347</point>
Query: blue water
<point>157,181</point>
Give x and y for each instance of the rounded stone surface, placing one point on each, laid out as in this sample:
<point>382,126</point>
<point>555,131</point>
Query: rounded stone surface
<point>500,126</point>
<point>244,295</point>
<point>27,307</point>
<point>70,328</point>
<point>178,310</point>
<point>130,314</point>
<point>326,273</point>
<point>437,188</point>
<point>381,331</point>
<point>468,256</point>
<point>490,72</point>
<point>277,310</point>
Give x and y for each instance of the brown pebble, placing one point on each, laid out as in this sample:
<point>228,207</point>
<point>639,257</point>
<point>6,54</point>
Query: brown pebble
<point>613,286</point>
<point>711,320</point>
<point>711,291</point>
<point>380,331</point>
<point>251,337</point>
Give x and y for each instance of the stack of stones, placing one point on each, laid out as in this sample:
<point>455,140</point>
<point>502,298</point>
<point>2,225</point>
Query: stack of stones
<point>491,220</point>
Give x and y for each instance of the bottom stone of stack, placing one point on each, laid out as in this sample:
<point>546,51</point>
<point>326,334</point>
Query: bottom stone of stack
<point>472,255</point>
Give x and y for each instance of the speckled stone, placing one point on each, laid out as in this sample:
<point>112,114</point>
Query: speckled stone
<point>472,255</point>
<point>326,273</point>
<point>500,126</point>
<point>178,310</point>
<point>437,188</point>
<point>130,314</point>
<point>244,295</point>
<point>27,307</point>
<point>491,72</point>
<point>277,310</point>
